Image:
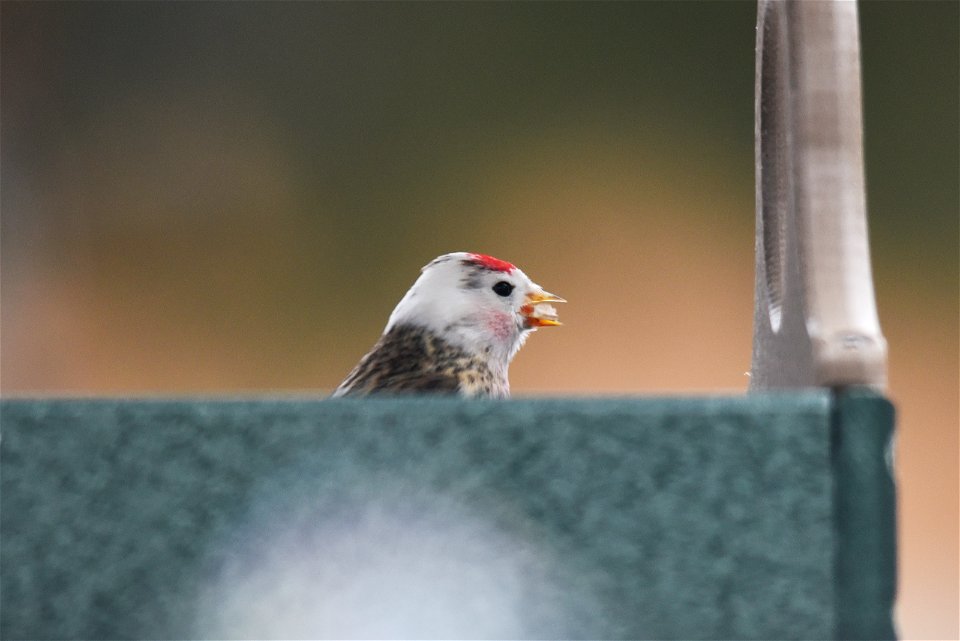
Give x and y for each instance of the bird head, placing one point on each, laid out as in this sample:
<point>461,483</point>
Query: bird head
<point>485,305</point>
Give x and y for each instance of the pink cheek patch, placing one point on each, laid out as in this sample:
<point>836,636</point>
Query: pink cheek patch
<point>500,325</point>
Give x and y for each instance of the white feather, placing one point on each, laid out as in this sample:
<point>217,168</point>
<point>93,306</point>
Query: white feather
<point>474,318</point>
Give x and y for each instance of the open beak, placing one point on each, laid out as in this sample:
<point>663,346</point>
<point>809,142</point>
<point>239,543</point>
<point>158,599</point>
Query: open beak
<point>537,310</point>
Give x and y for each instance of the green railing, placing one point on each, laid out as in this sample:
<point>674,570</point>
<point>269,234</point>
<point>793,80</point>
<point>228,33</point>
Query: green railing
<point>760,517</point>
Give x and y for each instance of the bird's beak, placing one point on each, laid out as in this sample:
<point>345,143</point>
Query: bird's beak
<point>537,311</point>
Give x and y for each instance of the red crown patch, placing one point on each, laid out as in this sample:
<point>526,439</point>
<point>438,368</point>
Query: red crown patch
<point>491,263</point>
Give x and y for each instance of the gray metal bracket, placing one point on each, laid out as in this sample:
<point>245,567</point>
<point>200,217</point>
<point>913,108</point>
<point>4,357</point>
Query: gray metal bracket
<point>815,315</point>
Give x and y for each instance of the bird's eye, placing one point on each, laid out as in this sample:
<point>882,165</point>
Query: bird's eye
<point>503,288</point>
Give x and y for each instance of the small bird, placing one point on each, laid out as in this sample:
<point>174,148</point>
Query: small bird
<point>455,331</point>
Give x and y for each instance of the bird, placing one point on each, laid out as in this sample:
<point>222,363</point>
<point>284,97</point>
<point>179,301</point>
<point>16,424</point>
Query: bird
<point>455,331</point>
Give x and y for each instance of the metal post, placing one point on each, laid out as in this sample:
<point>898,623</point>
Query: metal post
<point>815,320</point>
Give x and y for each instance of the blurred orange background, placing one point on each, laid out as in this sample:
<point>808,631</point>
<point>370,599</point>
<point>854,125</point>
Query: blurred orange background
<point>230,198</point>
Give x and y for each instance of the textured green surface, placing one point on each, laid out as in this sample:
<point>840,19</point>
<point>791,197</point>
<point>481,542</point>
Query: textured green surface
<point>667,518</point>
<point>866,519</point>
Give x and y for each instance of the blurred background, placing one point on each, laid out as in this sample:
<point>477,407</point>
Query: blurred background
<point>230,198</point>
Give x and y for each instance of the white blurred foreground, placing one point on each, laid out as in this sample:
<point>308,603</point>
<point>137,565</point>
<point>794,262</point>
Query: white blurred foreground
<point>395,565</point>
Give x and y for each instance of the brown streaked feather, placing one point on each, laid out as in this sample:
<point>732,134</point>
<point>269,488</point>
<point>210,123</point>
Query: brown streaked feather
<point>412,360</point>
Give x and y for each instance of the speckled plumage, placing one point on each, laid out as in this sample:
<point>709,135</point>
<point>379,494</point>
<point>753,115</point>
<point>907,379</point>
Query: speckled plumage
<point>455,331</point>
<point>409,359</point>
